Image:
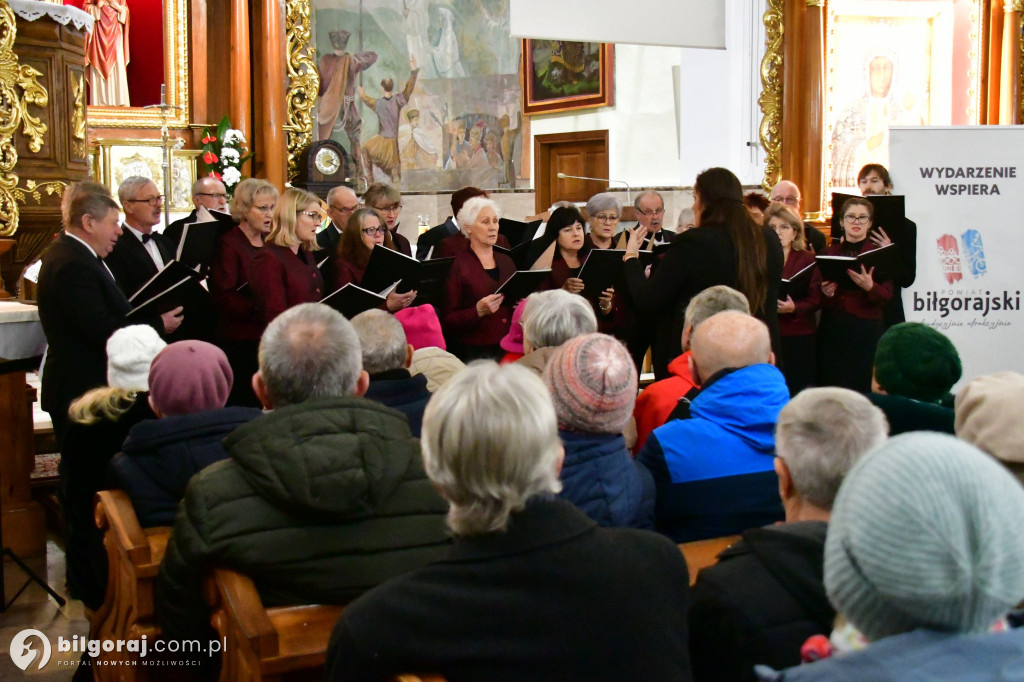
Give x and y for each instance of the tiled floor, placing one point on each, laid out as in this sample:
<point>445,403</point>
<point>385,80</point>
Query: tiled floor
<point>35,609</point>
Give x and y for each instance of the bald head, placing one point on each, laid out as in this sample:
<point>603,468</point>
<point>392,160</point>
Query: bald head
<point>730,339</point>
<point>341,203</point>
<point>786,192</point>
<point>210,192</point>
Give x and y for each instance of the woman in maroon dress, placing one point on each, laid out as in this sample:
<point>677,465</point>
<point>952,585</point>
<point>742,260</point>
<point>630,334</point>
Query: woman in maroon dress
<point>615,314</point>
<point>475,318</point>
<point>797,322</point>
<point>239,322</point>
<point>284,271</point>
<point>364,232</point>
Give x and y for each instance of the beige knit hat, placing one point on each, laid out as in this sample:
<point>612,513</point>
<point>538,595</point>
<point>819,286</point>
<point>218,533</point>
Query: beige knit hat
<point>988,415</point>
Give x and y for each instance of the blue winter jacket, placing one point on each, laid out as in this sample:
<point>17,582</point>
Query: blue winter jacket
<point>160,456</point>
<point>600,477</point>
<point>715,472</point>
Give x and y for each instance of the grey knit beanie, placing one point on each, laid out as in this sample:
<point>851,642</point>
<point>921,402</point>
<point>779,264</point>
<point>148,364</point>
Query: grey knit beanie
<point>925,533</point>
<point>593,384</point>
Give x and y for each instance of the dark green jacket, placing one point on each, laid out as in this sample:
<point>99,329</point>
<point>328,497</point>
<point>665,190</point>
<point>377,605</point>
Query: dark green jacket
<point>907,414</point>
<point>319,502</point>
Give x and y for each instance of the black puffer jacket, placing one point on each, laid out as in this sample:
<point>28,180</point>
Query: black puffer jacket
<point>160,456</point>
<point>319,502</point>
<point>760,602</point>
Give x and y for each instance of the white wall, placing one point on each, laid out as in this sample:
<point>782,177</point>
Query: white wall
<point>716,105</point>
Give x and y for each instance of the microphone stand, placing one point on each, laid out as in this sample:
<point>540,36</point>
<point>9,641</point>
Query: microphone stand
<point>629,197</point>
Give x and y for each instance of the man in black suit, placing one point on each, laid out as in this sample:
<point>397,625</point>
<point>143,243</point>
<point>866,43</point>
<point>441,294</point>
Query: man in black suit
<point>432,237</point>
<point>650,213</point>
<point>786,192</point>
<point>208,192</point>
<point>139,253</point>
<point>341,202</point>
<point>80,304</point>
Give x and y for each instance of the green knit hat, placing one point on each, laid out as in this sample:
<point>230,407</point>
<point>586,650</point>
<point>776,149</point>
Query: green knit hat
<point>915,361</point>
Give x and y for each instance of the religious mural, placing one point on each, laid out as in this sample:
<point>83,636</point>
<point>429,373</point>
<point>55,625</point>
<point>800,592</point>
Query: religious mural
<point>425,95</point>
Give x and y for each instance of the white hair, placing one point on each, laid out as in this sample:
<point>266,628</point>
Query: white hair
<point>382,339</point>
<point>714,300</point>
<point>309,351</point>
<point>490,443</point>
<point>605,201</point>
<point>821,434</point>
<point>130,187</point>
<point>471,209</point>
<point>552,317</point>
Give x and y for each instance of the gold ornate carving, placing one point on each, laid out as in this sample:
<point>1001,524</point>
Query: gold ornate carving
<point>303,81</point>
<point>176,61</point>
<point>771,94</point>
<point>1014,6</point>
<point>815,3</point>
<point>34,190</point>
<point>32,127</point>
<point>78,117</point>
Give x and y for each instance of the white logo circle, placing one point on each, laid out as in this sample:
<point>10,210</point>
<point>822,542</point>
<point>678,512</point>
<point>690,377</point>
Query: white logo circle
<point>23,654</point>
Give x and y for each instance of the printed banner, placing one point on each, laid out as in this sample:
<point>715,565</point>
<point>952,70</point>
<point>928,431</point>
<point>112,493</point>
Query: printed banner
<point>964,188</point>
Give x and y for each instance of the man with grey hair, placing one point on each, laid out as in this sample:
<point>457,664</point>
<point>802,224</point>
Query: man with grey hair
<point>551,318</point>
<point>765,596</point>
<point>323,497</point>
<point>140,253</point>
<point>387,357</point>
<point>670,398</point>
<point>715,472</point>
<point>650,213</point>
<point>786,192</point>
<point>532,587</point>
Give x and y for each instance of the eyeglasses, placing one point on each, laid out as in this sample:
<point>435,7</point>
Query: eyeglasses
<point>656,211</point>
<point>342,209</point>
<point>267,208</point>
<point>606,218</point>
<point>857,219</point>
<point>214,195</point>
<point>394,208</point>
<point>788,201</point>
<point>373,231</point>
<point>152,201</point>
<point>315,215</point>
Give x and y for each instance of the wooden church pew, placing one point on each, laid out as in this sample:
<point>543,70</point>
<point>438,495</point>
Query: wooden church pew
<point>703,553</point>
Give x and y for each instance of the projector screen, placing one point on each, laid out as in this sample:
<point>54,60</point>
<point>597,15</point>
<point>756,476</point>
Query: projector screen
<point>676,23</point>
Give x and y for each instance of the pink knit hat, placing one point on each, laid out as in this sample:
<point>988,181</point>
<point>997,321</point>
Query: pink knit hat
<point>513,340</point>
<point>422,327</point>
<point>189,376</point>
<point>593,384</point>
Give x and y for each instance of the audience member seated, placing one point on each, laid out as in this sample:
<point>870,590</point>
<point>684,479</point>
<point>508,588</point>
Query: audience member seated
<point>429,356</point>
<point>322,498</point>
<point>988,417</point>
<point>387,201</point>
<point>531,589</point>
<point>512,343</point>
<point>189,384</point>
<point>924,559</point>
<point>656,404</point>
<point>386,357</point>
<point>593,381</point>
<point>915,368</point>
<point>765,596</point>
<point>550,318</point>
<point>99,422</point>
<point>715,471</point>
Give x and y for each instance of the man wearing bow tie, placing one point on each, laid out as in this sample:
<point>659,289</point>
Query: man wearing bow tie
<point>139,253</point>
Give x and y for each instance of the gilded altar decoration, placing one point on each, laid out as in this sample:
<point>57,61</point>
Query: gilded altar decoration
<point>34,190</point>
<point>303,81</point>
<point>78,117</point>
<point>771,95</point>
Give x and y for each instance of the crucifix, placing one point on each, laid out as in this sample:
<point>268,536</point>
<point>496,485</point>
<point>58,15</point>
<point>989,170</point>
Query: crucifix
<point>165,145</point>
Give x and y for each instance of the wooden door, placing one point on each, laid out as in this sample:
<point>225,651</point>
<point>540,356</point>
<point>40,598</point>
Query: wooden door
<point>582,153</point>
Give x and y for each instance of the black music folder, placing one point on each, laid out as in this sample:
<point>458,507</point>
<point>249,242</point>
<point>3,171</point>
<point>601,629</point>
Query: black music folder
<point>198,243</point>
<point>833,268</point>
<point>351,299</point>
<point>521,284</point>
<point>175,285</point>
<point>796,286</point>
<point>603,269</point>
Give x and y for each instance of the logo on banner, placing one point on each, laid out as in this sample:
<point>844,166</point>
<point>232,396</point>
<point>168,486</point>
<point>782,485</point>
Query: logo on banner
<point>953,263</point>
<point>22,652</point>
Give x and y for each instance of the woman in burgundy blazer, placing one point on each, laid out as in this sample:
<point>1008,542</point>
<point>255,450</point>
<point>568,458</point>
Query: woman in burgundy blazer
<point>239,320</point>
<point>364,231</point>
<point>284,271</point>
<point>474,318</point>
<point>797,322</point>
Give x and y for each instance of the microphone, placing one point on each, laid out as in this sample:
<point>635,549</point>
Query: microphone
<point>629,197</point>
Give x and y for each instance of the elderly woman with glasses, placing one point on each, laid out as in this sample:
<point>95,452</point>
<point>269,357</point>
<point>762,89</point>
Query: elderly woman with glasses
<point>615,315</point>
<point>284,271</point>
<point>364,232</point>
<point>852,317</point>
<point>532,586</point>
<point>388,202</point>
<point>239,320</point>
